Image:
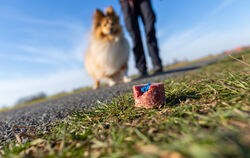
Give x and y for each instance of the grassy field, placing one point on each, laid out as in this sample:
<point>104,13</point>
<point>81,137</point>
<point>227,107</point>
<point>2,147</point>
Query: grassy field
<point>206,115</point>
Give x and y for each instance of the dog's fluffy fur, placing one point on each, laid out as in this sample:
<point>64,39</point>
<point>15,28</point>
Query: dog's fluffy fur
<point>108,51</point>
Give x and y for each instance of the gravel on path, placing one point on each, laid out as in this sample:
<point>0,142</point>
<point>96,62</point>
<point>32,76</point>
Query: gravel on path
<point>46,112</point>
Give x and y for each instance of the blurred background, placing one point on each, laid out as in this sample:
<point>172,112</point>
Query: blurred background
<point>42,42</point>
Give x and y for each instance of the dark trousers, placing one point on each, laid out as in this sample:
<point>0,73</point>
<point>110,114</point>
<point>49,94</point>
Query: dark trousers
<point>131,13</point>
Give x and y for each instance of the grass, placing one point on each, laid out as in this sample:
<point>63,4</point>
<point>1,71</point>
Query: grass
<point>206,115</point>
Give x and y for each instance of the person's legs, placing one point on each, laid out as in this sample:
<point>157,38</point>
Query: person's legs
<point>131,21</point>
<point>148,18</point>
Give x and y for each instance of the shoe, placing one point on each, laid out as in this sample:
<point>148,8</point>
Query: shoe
<point>142,74</point>
<point>157,70</point>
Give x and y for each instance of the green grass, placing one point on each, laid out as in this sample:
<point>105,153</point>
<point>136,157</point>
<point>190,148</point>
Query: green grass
<point>207,114</point>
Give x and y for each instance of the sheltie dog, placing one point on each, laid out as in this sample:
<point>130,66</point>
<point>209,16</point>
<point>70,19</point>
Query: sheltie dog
<point>107,54</point>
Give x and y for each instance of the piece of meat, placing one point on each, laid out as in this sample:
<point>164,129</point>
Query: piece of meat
<point>154,97</point>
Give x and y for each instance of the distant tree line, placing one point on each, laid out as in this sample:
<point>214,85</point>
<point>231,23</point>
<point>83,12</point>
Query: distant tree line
<point>37,96</point>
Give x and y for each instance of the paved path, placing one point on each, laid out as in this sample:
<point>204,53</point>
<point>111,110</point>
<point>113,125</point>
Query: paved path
<point>46,112</point>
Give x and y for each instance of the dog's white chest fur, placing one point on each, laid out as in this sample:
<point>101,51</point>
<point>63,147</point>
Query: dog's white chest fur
<point>106,57</point>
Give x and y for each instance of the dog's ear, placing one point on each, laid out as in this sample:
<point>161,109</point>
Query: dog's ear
<point>97,17</point>
<point>110,11</point>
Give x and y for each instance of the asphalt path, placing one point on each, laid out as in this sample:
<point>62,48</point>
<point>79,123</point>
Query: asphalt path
<point>40,114</point>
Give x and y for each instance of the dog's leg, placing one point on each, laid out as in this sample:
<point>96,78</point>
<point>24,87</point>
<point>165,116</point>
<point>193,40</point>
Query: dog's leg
<point>126,79</point>
<point>124,73</point>
<point>111,82</point>
<point>97,84</point>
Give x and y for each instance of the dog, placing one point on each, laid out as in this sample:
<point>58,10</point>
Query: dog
<point>107,54</point>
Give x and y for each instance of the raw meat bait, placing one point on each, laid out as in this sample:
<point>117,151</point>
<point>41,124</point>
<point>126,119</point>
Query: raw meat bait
<point>149,95</point>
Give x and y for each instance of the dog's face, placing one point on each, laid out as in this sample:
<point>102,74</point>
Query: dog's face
<point>106,26</point>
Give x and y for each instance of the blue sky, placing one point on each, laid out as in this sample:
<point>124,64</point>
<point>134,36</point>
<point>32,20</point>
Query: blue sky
<point>42,42</point>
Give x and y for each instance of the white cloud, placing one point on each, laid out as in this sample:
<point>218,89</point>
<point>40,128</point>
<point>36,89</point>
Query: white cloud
<point>63,80</point>
<point>13,14</point>
<point>222,6</point>
<point>193,43</point>
<point>54,54</point>
<point>36,60</point>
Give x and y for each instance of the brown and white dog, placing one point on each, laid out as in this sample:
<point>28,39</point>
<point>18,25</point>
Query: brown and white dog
<point>108,51</point>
